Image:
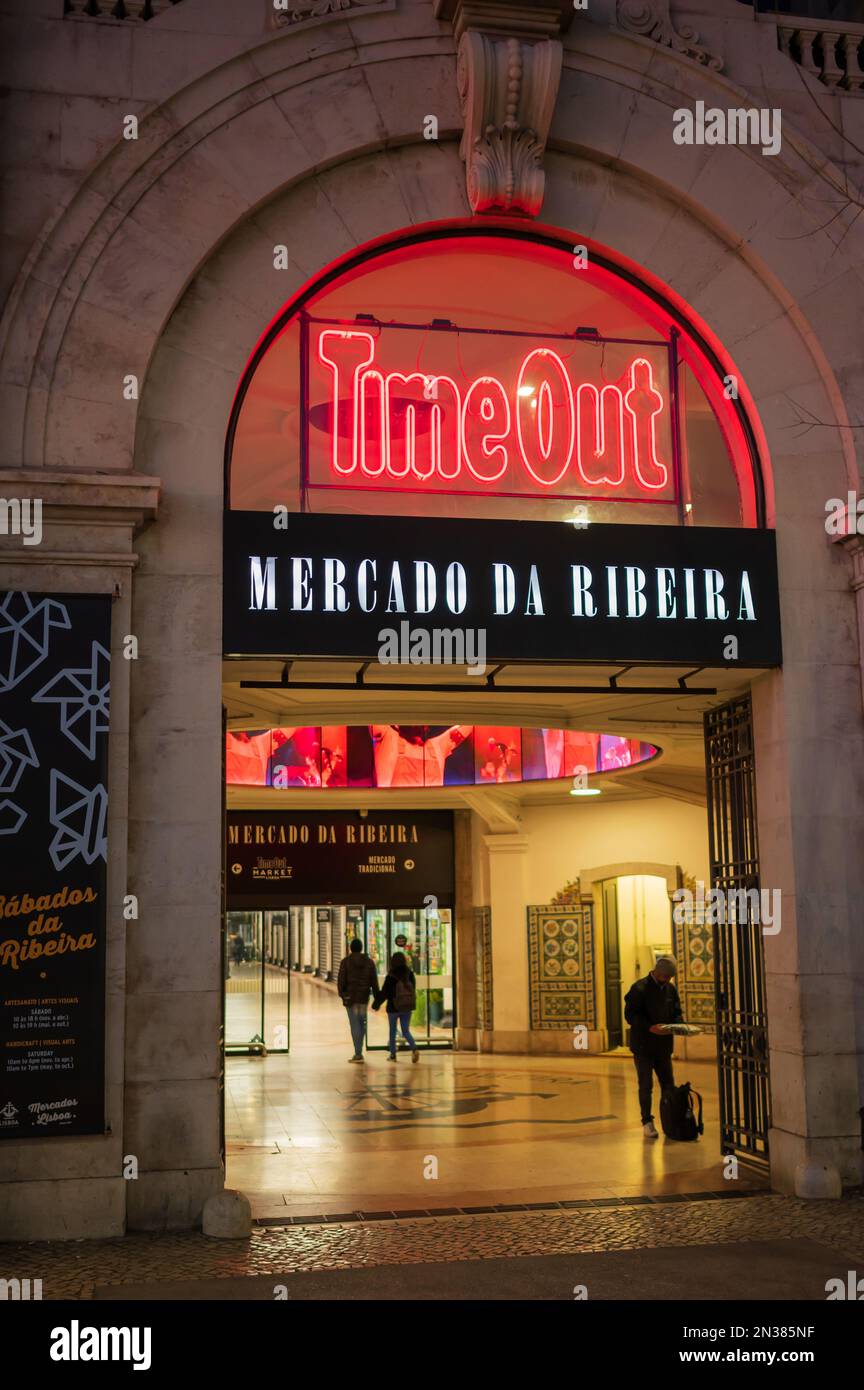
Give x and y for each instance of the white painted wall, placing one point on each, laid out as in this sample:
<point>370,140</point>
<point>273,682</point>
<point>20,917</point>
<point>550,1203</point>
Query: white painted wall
<point>566,841</point>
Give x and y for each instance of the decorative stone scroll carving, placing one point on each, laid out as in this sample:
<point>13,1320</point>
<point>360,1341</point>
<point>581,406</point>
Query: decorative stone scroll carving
<point>507,88</point>
<point>508,70</point>
<point>296,11</point>
<point>570,893</point>
<point>653,20</point>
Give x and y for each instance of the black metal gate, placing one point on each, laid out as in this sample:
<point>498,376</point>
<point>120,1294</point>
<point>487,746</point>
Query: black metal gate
<point>739,963</point>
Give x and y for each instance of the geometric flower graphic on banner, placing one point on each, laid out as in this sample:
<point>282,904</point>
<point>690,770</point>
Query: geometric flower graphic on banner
<point>80,817</point>
<point>12,817</point>
<point>82,694</point>
<point>54,655</point>
<point>16,753</point>
<point>25,634</point>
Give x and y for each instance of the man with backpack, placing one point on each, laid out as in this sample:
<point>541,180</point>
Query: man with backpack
<point>400,993</point>
<point>357,979</point>
<point>651,1004</point>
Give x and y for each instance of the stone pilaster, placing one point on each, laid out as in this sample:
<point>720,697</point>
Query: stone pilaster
<point>507,900</point>
<point>74,1187</point>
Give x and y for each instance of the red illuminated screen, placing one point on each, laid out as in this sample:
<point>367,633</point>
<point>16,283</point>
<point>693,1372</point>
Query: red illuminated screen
<point>421,755</point>
<point>415,408</point>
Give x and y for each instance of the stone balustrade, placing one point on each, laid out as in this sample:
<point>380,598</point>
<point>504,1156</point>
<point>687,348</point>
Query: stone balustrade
<point>116,9</point>
<point>829,50</point>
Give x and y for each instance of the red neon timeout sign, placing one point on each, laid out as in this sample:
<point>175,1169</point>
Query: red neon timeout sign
<point>409,408</point>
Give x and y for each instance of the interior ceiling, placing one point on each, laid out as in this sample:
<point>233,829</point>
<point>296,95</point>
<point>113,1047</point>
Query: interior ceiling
<point>672,722</point>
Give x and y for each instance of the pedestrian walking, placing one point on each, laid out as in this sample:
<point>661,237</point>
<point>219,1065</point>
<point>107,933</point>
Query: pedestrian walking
<point>356,980</point>
<point>399,992</point>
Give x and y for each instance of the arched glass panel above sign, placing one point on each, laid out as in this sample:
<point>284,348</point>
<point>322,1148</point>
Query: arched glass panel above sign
<point>471,373</point>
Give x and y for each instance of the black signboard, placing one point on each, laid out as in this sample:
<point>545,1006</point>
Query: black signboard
<point>54,693</point>
<point>383,858</point>
<point>382,588</point>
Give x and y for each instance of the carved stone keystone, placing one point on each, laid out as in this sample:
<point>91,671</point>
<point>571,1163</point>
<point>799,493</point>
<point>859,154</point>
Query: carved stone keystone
<point>508,69</point>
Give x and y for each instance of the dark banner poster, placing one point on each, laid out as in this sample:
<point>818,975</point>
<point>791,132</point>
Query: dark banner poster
<point>54,691</point>
<point>384,859</point>
<point>411,590</point>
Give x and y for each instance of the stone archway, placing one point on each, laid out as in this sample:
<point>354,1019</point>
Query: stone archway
<point>161,268</point>
<point>670,872</point>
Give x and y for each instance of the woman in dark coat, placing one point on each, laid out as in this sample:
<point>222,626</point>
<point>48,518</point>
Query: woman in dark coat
<point>400,993</point>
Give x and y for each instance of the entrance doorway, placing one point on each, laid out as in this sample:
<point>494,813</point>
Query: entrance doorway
<point>425,937</point>
<point>265,950</point>
<point>637,928</point>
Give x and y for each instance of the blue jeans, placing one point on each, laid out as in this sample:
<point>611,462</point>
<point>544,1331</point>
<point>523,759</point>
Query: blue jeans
<point>357,1020</point>
<point>403,1020</point>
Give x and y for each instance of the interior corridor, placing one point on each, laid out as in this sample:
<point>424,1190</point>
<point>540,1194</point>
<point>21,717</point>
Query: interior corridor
<point>308,1133</point>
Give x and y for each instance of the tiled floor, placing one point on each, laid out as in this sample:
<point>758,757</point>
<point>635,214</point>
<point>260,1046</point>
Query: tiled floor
<point>310,1133</point>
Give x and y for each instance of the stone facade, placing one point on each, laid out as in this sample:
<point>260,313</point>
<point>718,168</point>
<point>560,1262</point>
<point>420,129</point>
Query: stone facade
<point>152,257</point>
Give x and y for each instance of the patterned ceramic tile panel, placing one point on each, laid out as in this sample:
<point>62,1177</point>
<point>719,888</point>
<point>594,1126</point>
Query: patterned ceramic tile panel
<point>694,949</point>
<point>561,965</point>
<point>483,948</point>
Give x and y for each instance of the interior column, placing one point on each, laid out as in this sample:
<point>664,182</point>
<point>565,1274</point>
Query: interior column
<point>507,899</point>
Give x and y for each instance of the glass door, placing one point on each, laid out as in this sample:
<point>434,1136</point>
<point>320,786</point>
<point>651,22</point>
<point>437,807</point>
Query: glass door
<point>426,940</point>
<point>376,945</point>
<point>437,980</point>
<point>256,982</point>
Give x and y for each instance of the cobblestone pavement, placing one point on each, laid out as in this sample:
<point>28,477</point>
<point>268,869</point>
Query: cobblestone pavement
<point>73,1269</point>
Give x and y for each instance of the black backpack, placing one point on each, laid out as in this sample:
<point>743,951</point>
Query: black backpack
<point>678,1114</point>
<point>404,995</point>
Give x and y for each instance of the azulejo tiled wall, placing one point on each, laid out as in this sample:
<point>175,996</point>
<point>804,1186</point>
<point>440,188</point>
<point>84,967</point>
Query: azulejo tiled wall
<point>694,951</point>
<point>561,965</point>
<point>483,949</point>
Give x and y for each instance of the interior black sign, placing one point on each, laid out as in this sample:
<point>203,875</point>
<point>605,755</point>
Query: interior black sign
<point>54,692</point>
<point>393,589</point>
<point>385,858</point>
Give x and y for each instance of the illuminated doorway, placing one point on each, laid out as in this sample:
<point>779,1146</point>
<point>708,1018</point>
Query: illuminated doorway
<point>267,952</point>
<point>637,928</point>
<point>425,937</point>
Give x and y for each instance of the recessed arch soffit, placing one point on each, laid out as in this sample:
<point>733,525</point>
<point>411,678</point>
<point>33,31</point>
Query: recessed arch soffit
<point>117,213</point>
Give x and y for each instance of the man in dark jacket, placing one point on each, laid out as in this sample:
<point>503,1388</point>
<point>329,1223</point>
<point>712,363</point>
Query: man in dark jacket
<point>357,979</point>
<point>649,1007</point>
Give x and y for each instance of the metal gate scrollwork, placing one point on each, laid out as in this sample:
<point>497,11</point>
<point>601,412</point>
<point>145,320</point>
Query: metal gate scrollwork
<point>742,1021</point>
